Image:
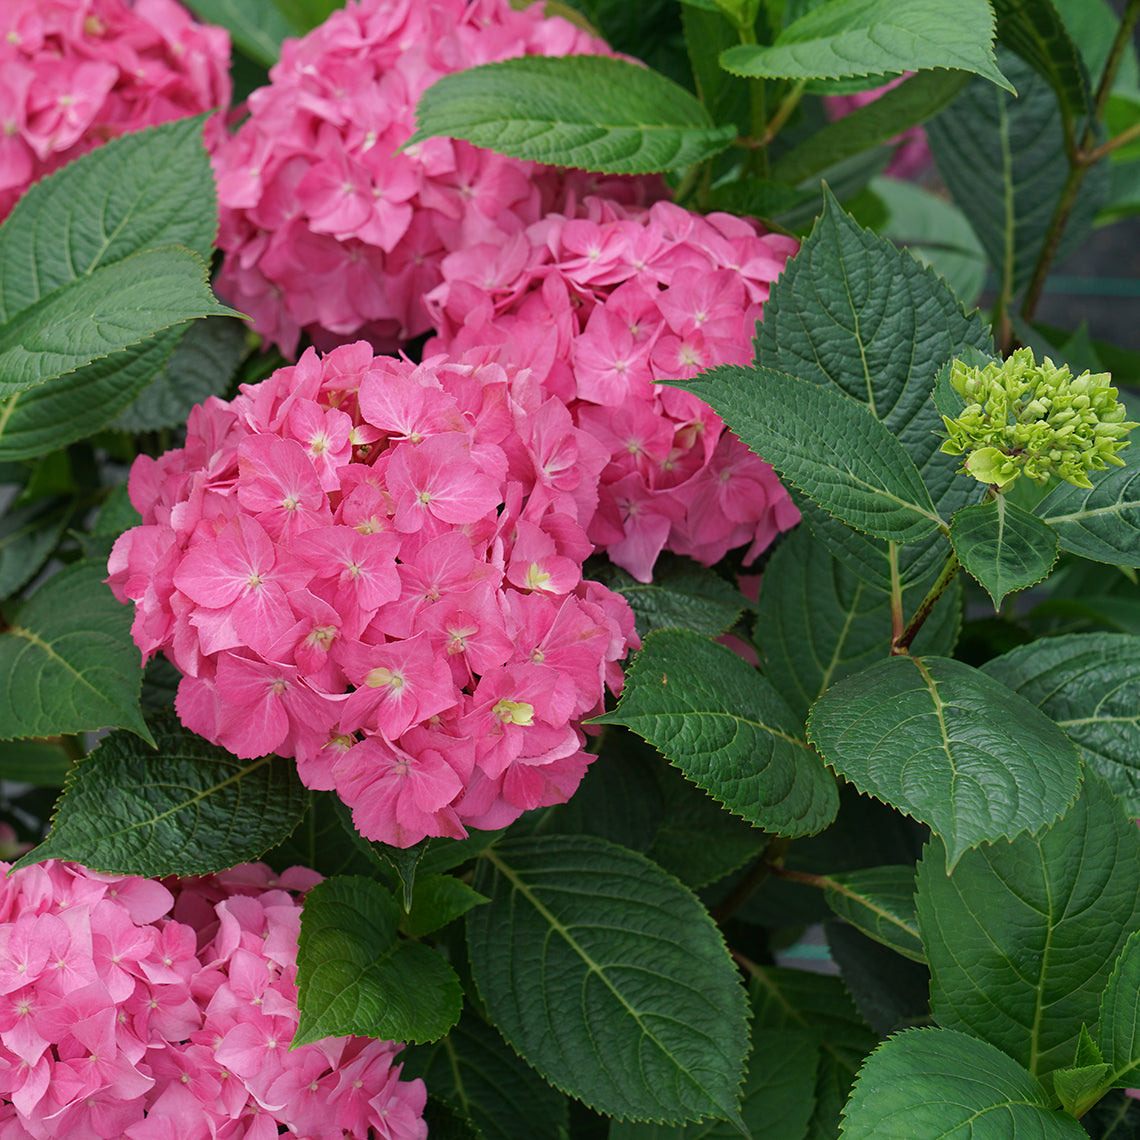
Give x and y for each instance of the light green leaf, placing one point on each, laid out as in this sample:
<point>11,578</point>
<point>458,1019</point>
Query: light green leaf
<point>880,902</point>
<point>935,1084</point>
<point>1080,1088</point>
<point>304,15</point>
<point>819,622</point>
<point>1003,160</point>
<point>67,661</point>
<point>436,901</point>
<point>1101,523</point>
<point>631,1004</point>
<point>474,1070</point>
<point>28,535</point>
<point>1034,29</point>
<point>1118,1034</point>
<point>718,720</point>
<point>256,28</point>
<point>1021,937</point>
<point>1093,25</point>
<point>1089,684</point>
<point>1004,547</point>
<point>830,446</point>
<point>682,595</point>
<point>949,746</point>
<point>188,808</point>
<point>591,111</point>
<point>357,977</point>
<point>866,37</point>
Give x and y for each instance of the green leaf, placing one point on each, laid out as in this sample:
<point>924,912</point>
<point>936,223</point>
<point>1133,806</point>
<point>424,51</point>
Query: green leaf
<point>1114,1117</point>
<point>1021,937</point>
<point>33,762</point>
<point>67,661</point>
<point>1093,25</point>
<point>590,111</point>
<point>188,808</point>
<point>28,535</point>
<point>357,977</point>
<point>761,198</point>
<point>1034,29</point>
<point>682,595</point>
<point>880,902</point>
<point>1004,547</point>
<point>476,1072</point>
<point>908,105</point>
<point>866,37</point>
<point>830,446</point>
<point>1118,1033</point>
<point>1080,1088</point>
<point>854,313</point>
<point>724,96</point>
<point>202,365</point>
<point>304,15</point>
<point>1003,160</point>
<point>1101,523</point>
<point>819,622</point>
<point>1087,683</point>
<point>931,1084</point>
<point>890,991</point>
<point>718,720</point>
<point>632,1004</point>
<point>436,901</point>
<point>949,746</point>
<point>255,27</point>
<point>321,842</point>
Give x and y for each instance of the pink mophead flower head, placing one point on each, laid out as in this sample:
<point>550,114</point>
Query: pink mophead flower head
<point>328,226</point>
<point>137,1010</point>
<point>75,73</point>
<point>375,566</point>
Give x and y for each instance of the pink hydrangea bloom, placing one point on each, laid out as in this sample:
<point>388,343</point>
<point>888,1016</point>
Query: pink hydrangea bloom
<point>75,73</point>
<point>405,614</point>
<point>327,226</point>
<point>138,1010</point>
<point>602,304</point>
<point>912,151</point>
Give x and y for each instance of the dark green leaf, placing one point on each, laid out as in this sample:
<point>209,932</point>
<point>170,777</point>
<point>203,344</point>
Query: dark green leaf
<point>67,663</point>
<point>1089,683</point>
<point>682,595</point>
<point>630,1003</point>
<point>724,96</point>
<point>33,762</point>
<point>1021,937</point>
<point>485,1080</point>
<point>445,1123</point>
<point>304,15</point>
<point>1004,547</point>
<point>357,977</point>
<point>866,37</point>
<point>761,198</point>
<point>188,808</point>
<point>256,28</point>
<point>436,901</point>
<point>1034,29</point>
<point>591,111</point>
<point>321,842</point>
<point>1119,1029</point>
<point>1093,26</point>
<point>890,991</point>
<point>1116,1117</point>
<point>931,1084</point>
<point>949,746</point>
<point>880,902</point>
<point>716,718</point>
<point>28,535</point>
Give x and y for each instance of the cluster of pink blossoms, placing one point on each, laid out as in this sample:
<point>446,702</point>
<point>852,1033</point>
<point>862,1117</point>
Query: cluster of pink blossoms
<point>327,225</point>
<point>602,305</point>
<point>376,567</point>
<point>75,73</point>
<point>134,1010</point>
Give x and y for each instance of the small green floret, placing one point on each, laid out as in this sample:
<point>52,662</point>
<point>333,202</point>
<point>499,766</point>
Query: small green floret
<point>1035,419</point>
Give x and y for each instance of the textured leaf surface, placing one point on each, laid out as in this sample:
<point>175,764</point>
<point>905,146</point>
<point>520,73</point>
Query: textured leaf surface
<point>27,536</point>
<point>684,596</point>
<point>934,1084</point>
<point>1003,546</point>
<point>186,809</point>
<point>590,111</point>
<point>880,902</point>
<point>1101,523</point>
<point>488,1083</point>
<point>718,720</point>
<point>610,978</point>
<point>67,663</point>
<point>869,37</point>
<point>854,313</point>
<point>1022,936</point>
<point>830,446</point>
<point>819,622</point>
<point>999,156</point>
<point>1118,1031</point>
<point>1089,683</point>
<point>1035,30</point>
<point>356,976</point>
<point>949,746</point>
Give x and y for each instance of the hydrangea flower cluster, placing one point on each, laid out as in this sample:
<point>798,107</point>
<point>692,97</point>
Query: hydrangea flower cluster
<point>136,1010</point>
<point>1037,420</point>
<point>375,567</point>
<point>75,73</point>
<point>600,306</point>
<point>327,225</point>
<point>912,152</point>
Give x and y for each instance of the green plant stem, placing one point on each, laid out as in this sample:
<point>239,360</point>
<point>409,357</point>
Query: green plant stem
<point>902,644</point>
<point>1122,139</point>
<point>784,111</point>
<point>688,183</point>
<point>897,620</point>
<point>1112,65</point>
<point>751,882</point>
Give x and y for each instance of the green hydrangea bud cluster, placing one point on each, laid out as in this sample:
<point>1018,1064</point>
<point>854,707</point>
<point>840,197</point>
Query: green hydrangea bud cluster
<point>1040,420</point>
